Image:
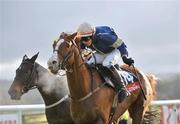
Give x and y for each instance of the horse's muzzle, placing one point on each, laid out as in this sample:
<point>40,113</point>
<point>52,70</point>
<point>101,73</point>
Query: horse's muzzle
<point>15,95</point>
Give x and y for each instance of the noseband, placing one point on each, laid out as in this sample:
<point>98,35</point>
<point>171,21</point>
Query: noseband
<point>27,81</point>
<point>64,63</point>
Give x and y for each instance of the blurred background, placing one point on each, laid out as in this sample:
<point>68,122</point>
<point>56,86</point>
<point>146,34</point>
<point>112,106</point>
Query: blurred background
<point>150,29</point>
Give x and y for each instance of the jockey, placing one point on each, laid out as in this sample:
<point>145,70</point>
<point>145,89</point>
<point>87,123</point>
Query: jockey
<point>109,50</point>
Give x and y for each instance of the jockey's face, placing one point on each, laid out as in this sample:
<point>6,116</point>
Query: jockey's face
<point>87,43</point>
<point>86,40</point>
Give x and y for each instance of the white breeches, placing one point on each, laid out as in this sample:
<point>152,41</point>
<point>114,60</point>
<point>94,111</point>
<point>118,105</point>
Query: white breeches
<point>107,60</point>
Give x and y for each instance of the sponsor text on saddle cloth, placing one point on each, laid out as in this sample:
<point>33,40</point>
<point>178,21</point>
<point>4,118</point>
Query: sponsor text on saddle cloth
<point>130,80</point>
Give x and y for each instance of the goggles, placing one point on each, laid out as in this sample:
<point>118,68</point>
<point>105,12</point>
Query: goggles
<point>85,39</point>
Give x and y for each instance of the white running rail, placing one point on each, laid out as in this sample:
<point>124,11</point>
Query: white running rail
<point>19,109</point>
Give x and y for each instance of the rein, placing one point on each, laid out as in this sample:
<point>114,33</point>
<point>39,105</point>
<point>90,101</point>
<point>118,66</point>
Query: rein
<point>57,103</point>
<point>90,94</point>
<point>30,87</point>
<point>63,64</point>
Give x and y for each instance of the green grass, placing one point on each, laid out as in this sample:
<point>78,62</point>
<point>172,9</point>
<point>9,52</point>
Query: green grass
<point>40,118</point>
<point>34,119</point>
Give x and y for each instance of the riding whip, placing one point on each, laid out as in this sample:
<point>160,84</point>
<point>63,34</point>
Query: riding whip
<point>140,83</point>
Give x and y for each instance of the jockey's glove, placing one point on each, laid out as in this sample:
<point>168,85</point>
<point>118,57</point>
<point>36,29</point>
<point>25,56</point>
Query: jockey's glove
<point>127,60</point>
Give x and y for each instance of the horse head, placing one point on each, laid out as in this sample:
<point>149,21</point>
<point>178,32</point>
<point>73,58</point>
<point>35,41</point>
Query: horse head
<point>64,50</point>
<point>25,78</point>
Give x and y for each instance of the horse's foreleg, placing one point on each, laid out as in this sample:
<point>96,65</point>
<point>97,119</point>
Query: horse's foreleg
<point>137,114</point>
<point>99,121</point>
<point>138,118</point>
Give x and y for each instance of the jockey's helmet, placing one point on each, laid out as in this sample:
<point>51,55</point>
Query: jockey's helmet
<point>85,30</point>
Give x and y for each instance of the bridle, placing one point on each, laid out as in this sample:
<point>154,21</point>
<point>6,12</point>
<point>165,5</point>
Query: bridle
<point>27,81</point>
<point>29,85</point>
<point>64,63</point>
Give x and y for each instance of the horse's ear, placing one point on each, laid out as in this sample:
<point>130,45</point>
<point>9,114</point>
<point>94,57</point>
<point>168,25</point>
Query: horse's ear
<point>77,39</point>
<point>62,35</point>
<point>72,36</point>
<point>33,59</point>
<point>54,44</point>
<point>25,57</point>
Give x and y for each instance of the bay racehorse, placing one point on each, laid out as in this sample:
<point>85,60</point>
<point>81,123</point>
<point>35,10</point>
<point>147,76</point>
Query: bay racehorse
<point>52,88</point>
<point>91,100</point>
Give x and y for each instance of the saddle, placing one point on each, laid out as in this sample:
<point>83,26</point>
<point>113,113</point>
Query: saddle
<point>128,78</point>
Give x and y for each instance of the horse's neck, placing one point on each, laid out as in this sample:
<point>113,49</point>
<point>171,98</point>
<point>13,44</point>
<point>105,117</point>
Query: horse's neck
<point>79,80</point>
<point>51,87</point>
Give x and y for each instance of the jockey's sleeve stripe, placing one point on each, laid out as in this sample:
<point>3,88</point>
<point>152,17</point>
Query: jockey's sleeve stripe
<point>117,43</point>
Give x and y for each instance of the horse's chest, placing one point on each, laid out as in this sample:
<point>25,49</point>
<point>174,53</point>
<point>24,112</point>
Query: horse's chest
<point>83,114</point>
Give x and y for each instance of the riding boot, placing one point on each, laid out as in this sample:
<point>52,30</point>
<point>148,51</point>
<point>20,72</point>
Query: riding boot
<point>120,87</point>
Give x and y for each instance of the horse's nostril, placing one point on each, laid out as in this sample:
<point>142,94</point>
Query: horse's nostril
<point>12,92</point>
<point>54,62</point>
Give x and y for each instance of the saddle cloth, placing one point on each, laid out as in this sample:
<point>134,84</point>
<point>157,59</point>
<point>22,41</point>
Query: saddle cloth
<point>130,80</point>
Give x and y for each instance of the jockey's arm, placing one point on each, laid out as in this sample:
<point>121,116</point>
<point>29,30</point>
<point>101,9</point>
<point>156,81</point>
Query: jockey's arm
<point>115,42</point>
<point>124,54</point>
<point>123,49</point>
